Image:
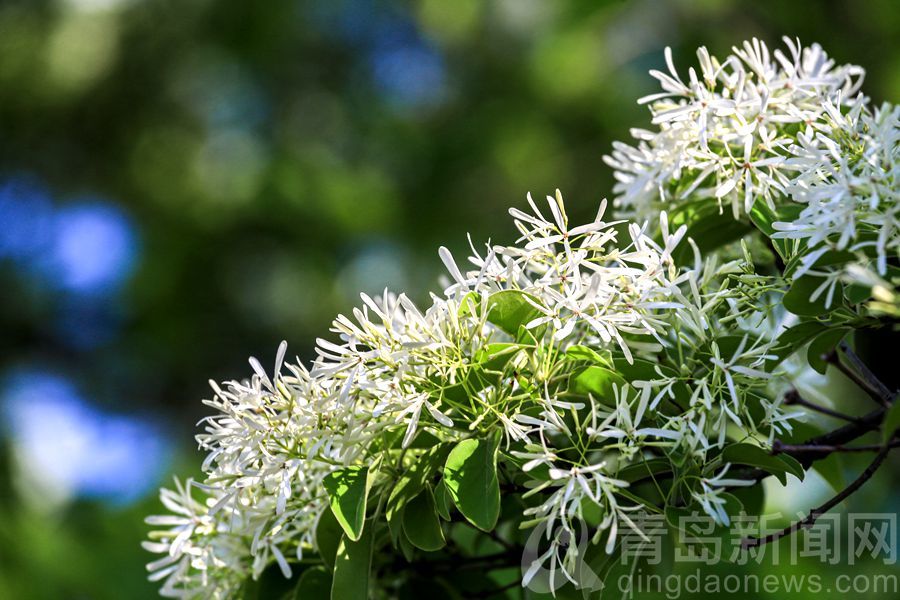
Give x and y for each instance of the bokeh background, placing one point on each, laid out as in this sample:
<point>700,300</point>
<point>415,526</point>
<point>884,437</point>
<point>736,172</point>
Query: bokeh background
<point>184,183</point>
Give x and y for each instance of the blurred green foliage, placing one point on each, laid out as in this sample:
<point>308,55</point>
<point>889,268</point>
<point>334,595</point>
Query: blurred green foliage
<point>277,158</point>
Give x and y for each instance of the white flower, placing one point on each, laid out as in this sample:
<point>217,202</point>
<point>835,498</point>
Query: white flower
<point>710,497</point>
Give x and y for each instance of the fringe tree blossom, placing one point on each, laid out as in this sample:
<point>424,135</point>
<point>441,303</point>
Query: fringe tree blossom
<point>847,185</point>
<point>725,134</point>
<point>591,371</point>
<point>399,372</point>
<point>787,131</point>
<point>710,494</point>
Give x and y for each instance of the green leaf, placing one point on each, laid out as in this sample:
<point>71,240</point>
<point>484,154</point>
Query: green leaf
<point>494,357</point>
<point>855,293</point>
<point>406,548</point>
<point>754,456</point>
<point>509,310</point>
<point>470,474</point>
<point>468,305</point>
<point>409,484</point>
<point>348,489</point>
<point>891,422</point>
<point>763,217</point>
<point>703,540</point>
<point>797,299</point>
<point>642,369</point>
<point>793,465</point>
<point>442,500</point>
<point>823,344</point>
<point>829,259</point>
<point>351,568</point>
<point>591,512</point>
<point>650,505</point>
<point>600,573</point>
<point>421,523</point>
<point>752,497</point>
<point>423,439</point>
<point>641,470</point>
<point>675,514</point>
<point>595,380</point>
<point>270,584</point>
<point>314,584</point>
<point>328,537</point>
<point>578,352</point>
<point>709,228</point>
<point>792,339</point>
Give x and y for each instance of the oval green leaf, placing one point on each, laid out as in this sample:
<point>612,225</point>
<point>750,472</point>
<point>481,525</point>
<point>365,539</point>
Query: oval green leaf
<point>754,456</point>
<point>347,490</point>
<point>328,537</point>
<point>351,569</point>
<point>470,475</point>
<point>421,523</point>
<point>314,584</point>
<point>509,309</point>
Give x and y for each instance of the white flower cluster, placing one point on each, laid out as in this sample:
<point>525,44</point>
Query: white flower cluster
<point>846,183</point>
<point>774,127</point>
<point>727,133</point>
<point>502,349</point>
<point>591,349</point>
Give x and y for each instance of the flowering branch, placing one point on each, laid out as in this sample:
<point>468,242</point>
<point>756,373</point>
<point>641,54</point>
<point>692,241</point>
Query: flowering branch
<point>581,361</point>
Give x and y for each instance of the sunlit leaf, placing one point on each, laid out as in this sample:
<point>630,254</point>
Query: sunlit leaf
<point>348,489</point>
<point>470,474</point>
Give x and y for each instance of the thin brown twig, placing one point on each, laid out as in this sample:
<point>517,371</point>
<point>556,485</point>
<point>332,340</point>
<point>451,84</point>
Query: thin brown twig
<point>780,448</point>
<point>495,537</point>
<point>751,542</point>
<point>866,373</point>
<point>794,397</point>
<point>862,382</point>
<point>821,446</point>
<point>837,437</point>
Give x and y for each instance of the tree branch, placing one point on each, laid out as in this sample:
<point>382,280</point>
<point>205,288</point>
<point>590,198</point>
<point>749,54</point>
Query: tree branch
<point>860,375</point>
<point>793,397</point>
<point>779,448</point>
<point>866,373</point>
<point>751,542</point>
<point>837,437</point>
<point>818,448</point>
